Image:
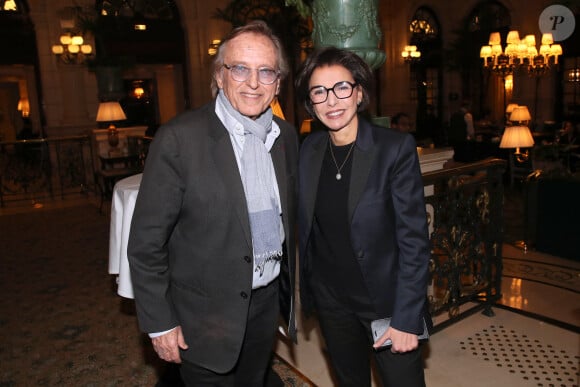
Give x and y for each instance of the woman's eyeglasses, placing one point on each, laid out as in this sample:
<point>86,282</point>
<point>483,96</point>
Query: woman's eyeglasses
<point>342,90</point>
<point>240,73</point>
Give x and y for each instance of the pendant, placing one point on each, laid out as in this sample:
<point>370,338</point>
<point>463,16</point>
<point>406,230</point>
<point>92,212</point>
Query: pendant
<point>338,176</point>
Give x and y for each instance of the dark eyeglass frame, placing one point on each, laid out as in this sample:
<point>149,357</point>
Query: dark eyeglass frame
<point>352,85</point>
<point>241,73</point>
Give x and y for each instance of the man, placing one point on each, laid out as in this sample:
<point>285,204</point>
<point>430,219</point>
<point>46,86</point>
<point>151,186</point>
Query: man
<point>461,127</point>
<point>461,133</point>
<point>212,235</point>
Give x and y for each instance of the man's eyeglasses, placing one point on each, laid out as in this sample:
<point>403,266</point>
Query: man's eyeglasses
<point>342,90</point>
<point>240,73</point>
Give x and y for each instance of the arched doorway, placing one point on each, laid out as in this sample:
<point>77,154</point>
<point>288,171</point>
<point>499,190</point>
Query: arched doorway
<point>20,114</point>
<point>427,75</point>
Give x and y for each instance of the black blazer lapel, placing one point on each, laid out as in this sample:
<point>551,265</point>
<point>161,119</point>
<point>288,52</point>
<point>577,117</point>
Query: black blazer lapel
<point>363,156</point>
<point>313,161</point>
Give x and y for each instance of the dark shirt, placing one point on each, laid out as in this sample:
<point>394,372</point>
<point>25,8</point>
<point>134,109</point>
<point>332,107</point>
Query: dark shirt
<point>334,262</point>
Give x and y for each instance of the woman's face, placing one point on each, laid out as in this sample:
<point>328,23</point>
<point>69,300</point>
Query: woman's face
<point>336,113</point>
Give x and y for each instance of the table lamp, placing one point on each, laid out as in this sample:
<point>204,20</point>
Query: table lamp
<point>517,137</point>
<point>110,112</point>
<point>520,115</point>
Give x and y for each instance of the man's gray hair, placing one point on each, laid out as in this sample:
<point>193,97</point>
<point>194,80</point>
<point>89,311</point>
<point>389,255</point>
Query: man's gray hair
<point>257,27</point>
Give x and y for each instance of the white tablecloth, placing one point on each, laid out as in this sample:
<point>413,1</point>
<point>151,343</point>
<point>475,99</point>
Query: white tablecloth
<point>123,204</point>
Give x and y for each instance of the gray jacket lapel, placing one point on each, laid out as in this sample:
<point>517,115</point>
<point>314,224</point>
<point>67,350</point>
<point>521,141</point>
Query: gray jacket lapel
<point>226,163</point>
<point>279,161</point>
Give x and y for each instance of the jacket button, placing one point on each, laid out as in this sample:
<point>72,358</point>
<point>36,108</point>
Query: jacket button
<point>247,259</point>
<point>244,295</point>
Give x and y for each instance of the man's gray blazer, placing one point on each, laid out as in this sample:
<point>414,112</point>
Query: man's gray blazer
<point>190,247</point>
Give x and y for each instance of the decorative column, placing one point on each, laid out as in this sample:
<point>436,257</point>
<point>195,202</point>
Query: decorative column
<point>349,24</point>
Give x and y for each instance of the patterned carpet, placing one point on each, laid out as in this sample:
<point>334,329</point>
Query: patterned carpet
<point>61,322</point>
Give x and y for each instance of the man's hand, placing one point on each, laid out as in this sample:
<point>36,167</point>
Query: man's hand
<point>167,346</point>
<point>401,341</point>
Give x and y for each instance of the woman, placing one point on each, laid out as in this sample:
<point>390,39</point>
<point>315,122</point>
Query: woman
<point>364,243</point>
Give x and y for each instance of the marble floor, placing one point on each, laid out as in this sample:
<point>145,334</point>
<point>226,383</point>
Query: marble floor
<point>542,286</point>
<point>535,284</point>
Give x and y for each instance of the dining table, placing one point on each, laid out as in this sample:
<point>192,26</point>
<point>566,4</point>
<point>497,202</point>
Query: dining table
<point>122,206</point>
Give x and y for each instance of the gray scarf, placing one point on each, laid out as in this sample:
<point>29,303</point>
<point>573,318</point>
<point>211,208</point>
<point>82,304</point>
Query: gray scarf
<point>259,187</point>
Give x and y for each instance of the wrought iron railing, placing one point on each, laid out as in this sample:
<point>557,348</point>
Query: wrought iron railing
<point>34,169</point>
<point>465,206</point>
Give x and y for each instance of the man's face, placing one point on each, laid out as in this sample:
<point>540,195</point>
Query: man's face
<point>250,97</point>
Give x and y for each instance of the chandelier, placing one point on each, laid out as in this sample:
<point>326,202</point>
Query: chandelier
<point>72,49</point>
<point>520,53</point>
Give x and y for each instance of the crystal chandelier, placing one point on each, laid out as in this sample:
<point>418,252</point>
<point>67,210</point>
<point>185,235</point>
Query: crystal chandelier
<point>520,53</point>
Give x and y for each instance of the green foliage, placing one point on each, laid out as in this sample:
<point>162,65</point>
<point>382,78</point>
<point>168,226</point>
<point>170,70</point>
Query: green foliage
<point>286,21</point>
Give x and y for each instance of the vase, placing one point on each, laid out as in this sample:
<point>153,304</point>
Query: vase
<point>349,24</point>
<point>113,137</point>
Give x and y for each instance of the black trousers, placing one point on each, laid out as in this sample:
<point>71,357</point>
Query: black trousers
<point>254,360</point>
<point>347,334</point>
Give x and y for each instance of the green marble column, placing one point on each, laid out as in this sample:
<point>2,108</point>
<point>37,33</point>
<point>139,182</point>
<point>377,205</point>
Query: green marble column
<point>349,24</point>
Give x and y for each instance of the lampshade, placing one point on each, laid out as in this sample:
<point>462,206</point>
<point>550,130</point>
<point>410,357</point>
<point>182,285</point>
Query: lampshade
<point>24,107</point>
<point>530,40</point>
<point>110,111</point>
<point>547,38</point>
<point>306,126</point>
<point>556,49</point>
<point>510,108</point>
<point>485,52</point>
<point>513,37</point>
<point>494,38</point>
<point>520,114</point>
<point>516,137</point>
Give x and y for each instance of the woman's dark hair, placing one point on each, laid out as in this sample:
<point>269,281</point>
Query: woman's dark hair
<point>330,56</point>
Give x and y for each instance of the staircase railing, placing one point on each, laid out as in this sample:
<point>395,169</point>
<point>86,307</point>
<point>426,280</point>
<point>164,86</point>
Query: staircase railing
<point>34,169</point>
<point>465,207</point>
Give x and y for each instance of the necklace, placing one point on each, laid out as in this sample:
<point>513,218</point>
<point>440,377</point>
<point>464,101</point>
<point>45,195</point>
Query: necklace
<point>338,169</point>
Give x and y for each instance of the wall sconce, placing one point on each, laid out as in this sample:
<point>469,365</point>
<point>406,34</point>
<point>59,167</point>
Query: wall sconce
<point>138,91</point>
<point>213,47</point>
<point>573,75</point>
<point>518,136</point>
<point>72,49</point>
<point>111,112</point>
<point>411,54</point>
<point>24,107</point>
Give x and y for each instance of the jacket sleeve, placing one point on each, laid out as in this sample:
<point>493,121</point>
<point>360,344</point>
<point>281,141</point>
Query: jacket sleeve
<point>412,239</point>
<point>156,211</point>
